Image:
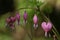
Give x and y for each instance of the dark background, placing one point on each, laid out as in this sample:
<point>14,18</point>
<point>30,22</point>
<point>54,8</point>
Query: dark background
<point>55,18</point>
<point>6,6</point>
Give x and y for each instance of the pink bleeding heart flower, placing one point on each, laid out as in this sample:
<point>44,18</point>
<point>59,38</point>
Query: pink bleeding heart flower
<point>46,26</point>
<point>13,19</point>
<point>18,16</point>
<point>35,19</point>
<point>25,16</point>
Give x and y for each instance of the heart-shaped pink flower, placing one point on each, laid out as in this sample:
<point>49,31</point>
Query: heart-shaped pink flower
<point>35,19</point>
<point>46,26</point>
